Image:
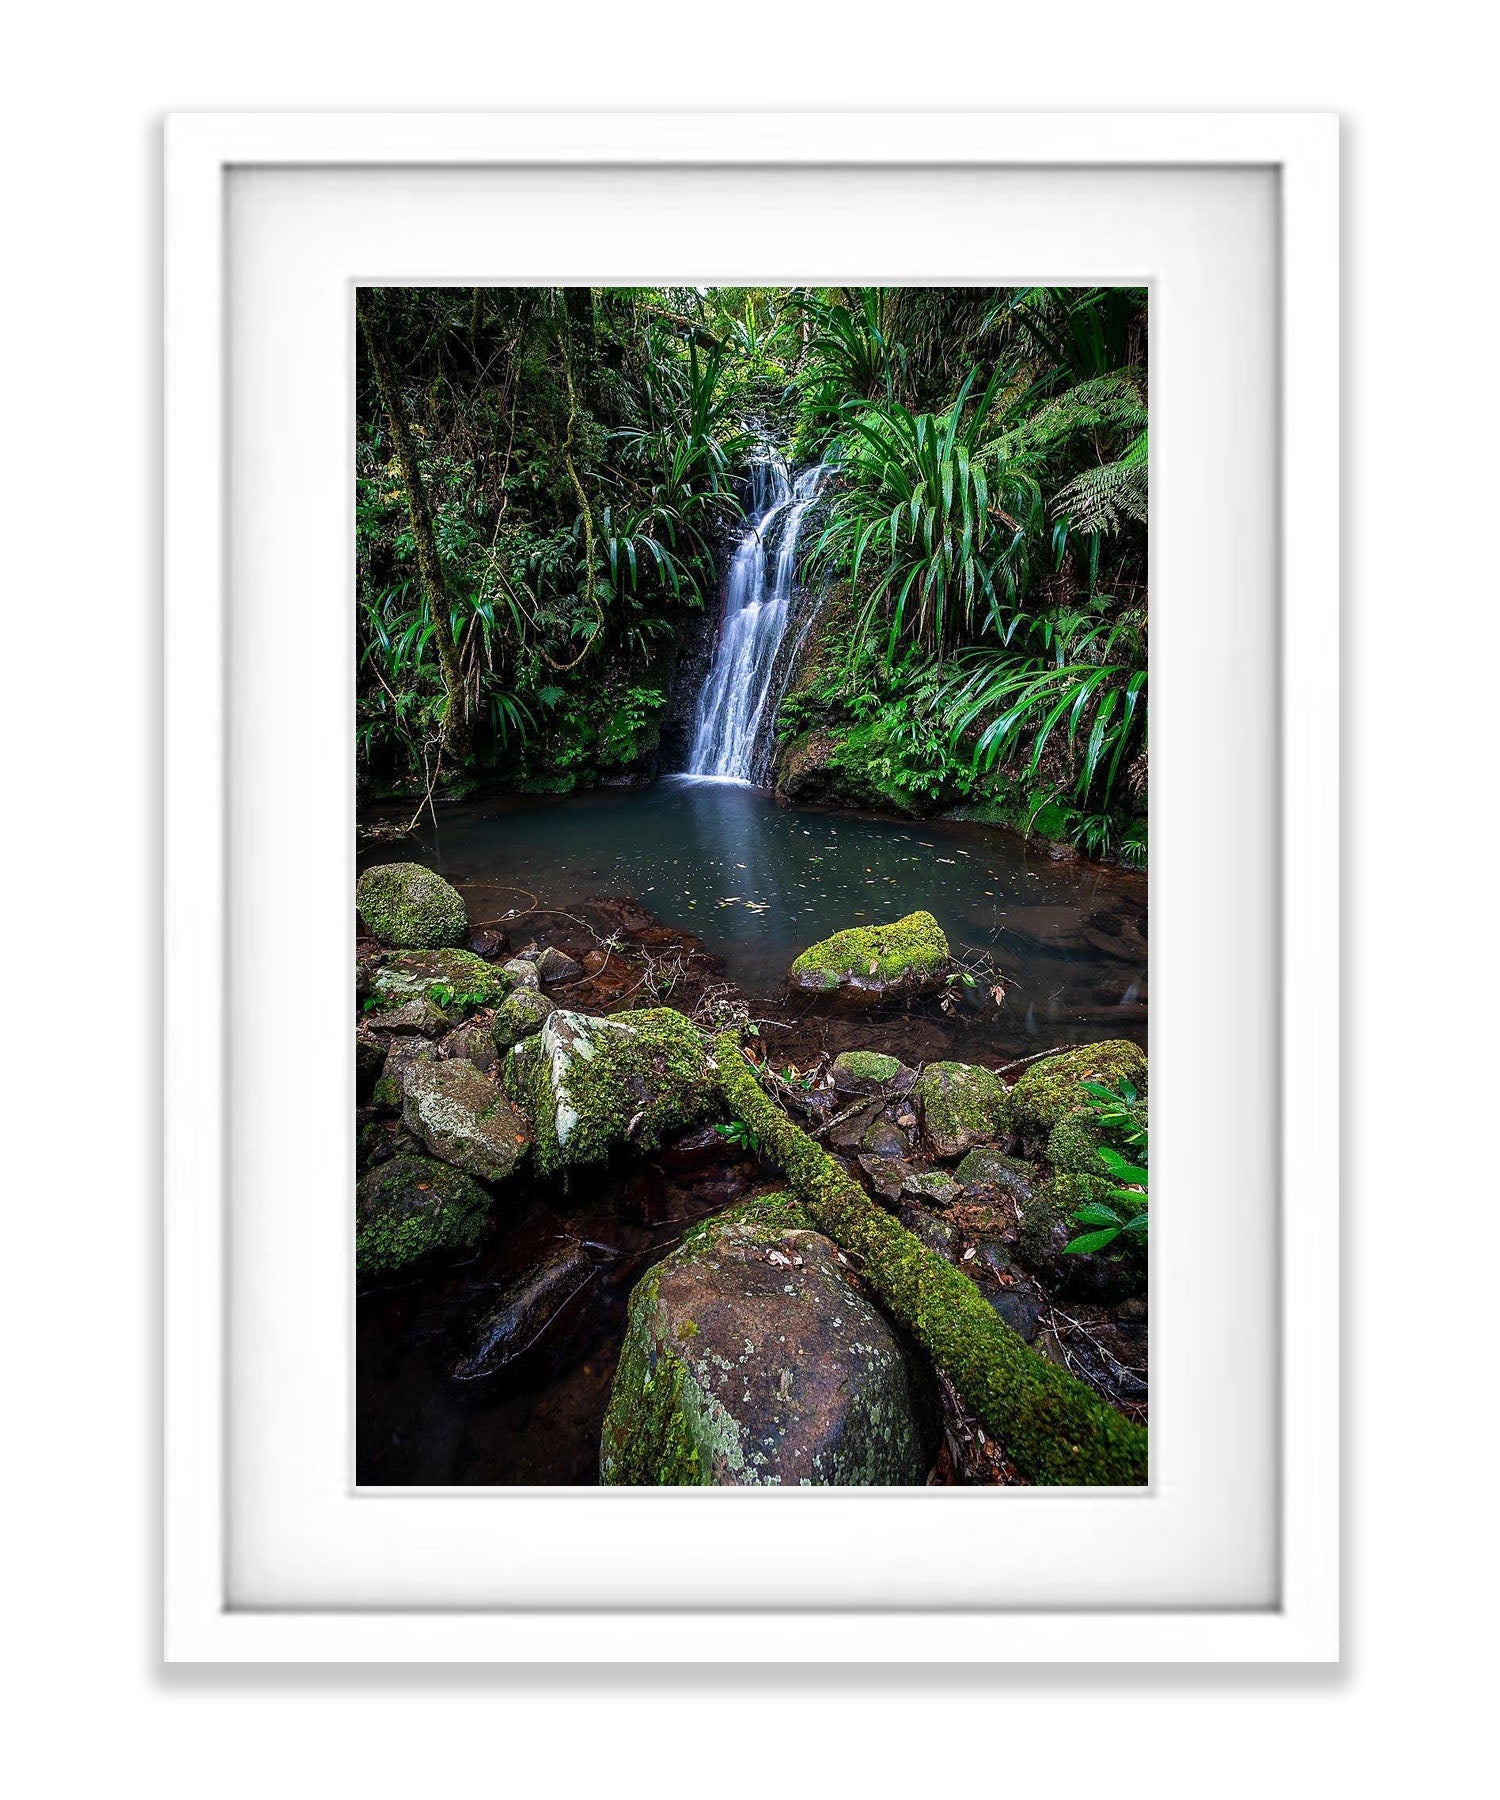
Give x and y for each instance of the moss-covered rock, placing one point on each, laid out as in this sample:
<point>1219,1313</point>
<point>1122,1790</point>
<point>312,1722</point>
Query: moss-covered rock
<point>464,1119</point>
<point>875,962</point>
<point>1049,1089</point>
<point>410,907</point>
<point>369,1059</point>
<point>595,1085</point>
<point>990,1167</point>
<point>962,1106</point>
<point>750,1360</point>
<point>408,1208</point>
<point>520,1015</point>
<point>430,991</point>
<point>522,972</point>
<point>1048,1226</point>
<point>473,1042</point>
<point>856,1072</point>
<point>1073,1144</point>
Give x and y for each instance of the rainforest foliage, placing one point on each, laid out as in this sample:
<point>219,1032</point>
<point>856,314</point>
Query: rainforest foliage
<point>547,480</point>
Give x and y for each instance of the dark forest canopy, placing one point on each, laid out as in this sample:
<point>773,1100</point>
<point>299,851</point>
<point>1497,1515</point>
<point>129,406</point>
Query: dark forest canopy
<point>547,478</point>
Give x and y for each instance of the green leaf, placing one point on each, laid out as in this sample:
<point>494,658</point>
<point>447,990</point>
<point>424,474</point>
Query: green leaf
<point>1090,1242</point>
<point>1128,1172</point>
<point>1095,1212</point>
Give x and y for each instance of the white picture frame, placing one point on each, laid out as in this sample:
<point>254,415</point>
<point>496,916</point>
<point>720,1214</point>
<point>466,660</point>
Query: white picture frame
<point>208,1616</point>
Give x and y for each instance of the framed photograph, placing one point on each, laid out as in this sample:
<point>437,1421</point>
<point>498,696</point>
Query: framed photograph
<point>673,769</point>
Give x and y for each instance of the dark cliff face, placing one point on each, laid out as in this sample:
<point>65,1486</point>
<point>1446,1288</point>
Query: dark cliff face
<point>695,652</point>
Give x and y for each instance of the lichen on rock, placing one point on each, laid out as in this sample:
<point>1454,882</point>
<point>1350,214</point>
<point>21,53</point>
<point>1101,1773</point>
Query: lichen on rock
<point>408,1208</point>
<point>594,1085</point>
<point>751,1360</point>
<point>908,956</point>
<point>464,1119</point>
<point>410,907</point>
<point>430,991</point>
<point>962,1105</point>
<point>519,1015</point>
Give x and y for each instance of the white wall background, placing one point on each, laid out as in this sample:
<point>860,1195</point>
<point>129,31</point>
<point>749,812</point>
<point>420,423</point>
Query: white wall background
<point>79,374</point>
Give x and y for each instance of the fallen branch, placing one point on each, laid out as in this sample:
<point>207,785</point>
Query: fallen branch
<point>1054,1428</point>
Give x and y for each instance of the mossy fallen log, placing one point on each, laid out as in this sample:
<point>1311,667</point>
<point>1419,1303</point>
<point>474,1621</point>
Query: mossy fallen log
<point>1054,1429</point>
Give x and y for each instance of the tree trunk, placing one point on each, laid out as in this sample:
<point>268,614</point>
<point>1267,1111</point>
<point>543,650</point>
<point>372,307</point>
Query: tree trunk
<point>457,725</point>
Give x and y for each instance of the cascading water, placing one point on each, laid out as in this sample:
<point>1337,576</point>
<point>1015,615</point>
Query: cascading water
<point>738,693</point>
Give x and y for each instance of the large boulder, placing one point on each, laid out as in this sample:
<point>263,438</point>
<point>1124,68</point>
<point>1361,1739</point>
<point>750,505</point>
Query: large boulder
<point>962,1107</point>
<point>594,1085</point>
<point>875,962</point>
<point>1050,1088</point>
<point>430,991</point>
<point>409,1208</point>
<point>409,907</point>
<point>749,1360</point>
<point>464,1119</point>
<point>405,1052</point>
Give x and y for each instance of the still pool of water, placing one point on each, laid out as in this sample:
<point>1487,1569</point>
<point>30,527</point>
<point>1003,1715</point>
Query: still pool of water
<point>758,883</point>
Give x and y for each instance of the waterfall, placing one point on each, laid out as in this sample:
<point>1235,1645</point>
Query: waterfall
<point>746,680</point>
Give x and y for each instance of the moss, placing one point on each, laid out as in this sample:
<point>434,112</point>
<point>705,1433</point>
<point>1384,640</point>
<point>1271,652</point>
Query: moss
<point>868,1065</point>
<point>1047,1225</point>
<point>519,1016</point>
<point>410,907</point>
<point>1073,1146</point>
<point>962,1106</point>
<point>987,1167</point>
<point>1049,1089</point>
<point>1053,1428</point>
<point>594,1084</point>
<point>454,982</point>
<point>409,1208</point>
<point>911,952</point>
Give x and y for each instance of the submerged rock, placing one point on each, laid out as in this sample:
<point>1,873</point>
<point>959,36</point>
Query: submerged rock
<point>749,1360</point>
<point>875,962</point>
<point>1049,1089</point>
<point>962,1107</point>
<point>525,1311</point>
<point>464,1119</point>
<point>409,907</point>
<point>520,1015</point>
<point>593,1085</point>
<point>408,1208</point>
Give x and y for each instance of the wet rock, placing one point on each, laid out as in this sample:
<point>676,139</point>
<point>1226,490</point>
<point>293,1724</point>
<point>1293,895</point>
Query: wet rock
<point>1132,1311</point>
<point>882,1138</point>
<point>848,1133</point>
<point>526,1312</point>
<point>1047,1090</point>
<point>520,1015</point>
<point>487,942</point>
<point>403,1055</point>
<point>408,1208</point>
<point>816,1105</point>
<point>464,1119</point>
<point>705,1147</point>
<point>554,966</point>
<point>409,907</point>
<point>989,1167</point>
<point>1020,1310</point>
<point>875,962</point>
<point>596,1085</point>
<point>859,1072</point>
<point>939,1235</point>
<point>471,1043</point>
<point>886,1175</point>
<point>749,1359</point>
<point>962,1107</point>
<point>369,1060</point>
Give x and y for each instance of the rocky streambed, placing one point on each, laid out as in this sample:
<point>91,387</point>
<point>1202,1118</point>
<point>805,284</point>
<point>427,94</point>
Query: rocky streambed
<point>614,1222</point>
